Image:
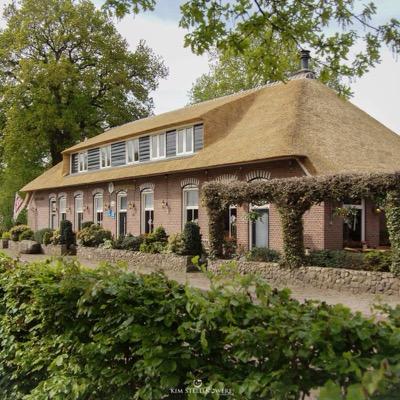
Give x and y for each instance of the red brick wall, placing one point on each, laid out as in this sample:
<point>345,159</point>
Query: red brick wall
<point>319,232</point>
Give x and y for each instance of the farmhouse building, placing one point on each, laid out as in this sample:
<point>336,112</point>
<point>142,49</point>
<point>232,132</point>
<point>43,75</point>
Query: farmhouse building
<point>147,173</point>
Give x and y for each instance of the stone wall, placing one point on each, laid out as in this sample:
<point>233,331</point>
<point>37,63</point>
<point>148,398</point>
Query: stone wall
<point>324,278</point>
<point>54,250</point>
<point>135,259</point>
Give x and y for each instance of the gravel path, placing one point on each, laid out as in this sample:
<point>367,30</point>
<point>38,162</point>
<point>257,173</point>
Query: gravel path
<point>359,302</point>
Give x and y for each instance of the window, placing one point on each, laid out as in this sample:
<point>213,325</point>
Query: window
<point>122,208</point>
<point>62,206</point>
<point>78,212</point>
<point>190,203</point>
<point>82,161</point>
<point>184,141</point>
<point>98,209</point>
<point>105,157</point>
<point>354,223</point>
<point>158,146</point>
<point>230,222</point>
<point>132,151</point>
<point>53,213</point>
<point>147,211</point>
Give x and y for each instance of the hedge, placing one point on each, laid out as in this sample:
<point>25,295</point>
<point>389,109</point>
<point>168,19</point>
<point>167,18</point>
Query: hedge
<point>68,332</point>
<point>294,196</point>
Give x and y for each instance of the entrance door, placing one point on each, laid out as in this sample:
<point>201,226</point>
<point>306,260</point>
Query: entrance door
<point>259,228</point>
<point>122,206</point>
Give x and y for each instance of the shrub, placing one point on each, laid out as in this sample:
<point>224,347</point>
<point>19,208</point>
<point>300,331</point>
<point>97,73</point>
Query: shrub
<point>378,260</point>
<point>107,244</point>
<point>229,247</point>
<point>6,235</point>
<point>87,224</point>
<point>160,235</point>
<point>93,236</point>
<point>47,237</point>
<point>65,330</point>
<point>192,239</point>
<point>175,243</point>
<point>263,254</point>
<point>336,259</point>
<point>26,235</point>
<point>55,237</point>
<point>39,235</point>
<point>152,247</point>
<point>132,243</point>
<point>16,231</point>
<point>67,235</point>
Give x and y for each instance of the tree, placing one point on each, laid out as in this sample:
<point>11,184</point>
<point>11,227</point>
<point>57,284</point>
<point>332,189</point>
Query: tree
<point>341,34</point>
<point>65,74</point>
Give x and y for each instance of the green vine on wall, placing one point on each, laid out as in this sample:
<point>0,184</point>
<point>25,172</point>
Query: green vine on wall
<point>294,196</point>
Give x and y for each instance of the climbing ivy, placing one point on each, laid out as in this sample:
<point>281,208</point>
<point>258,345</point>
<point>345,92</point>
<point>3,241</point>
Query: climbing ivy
<point>294,196</point>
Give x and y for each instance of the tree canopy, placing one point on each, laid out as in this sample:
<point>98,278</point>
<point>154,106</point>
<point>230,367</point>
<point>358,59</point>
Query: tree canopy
<point>65,74</point>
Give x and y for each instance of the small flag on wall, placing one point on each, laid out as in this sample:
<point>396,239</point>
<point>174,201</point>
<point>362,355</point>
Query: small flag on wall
<point>18,205</point>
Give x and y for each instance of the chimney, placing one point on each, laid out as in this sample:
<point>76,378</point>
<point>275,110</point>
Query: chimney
<point>304,59</point>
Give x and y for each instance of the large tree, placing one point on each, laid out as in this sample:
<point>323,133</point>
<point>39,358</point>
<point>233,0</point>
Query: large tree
<point>65,74</point>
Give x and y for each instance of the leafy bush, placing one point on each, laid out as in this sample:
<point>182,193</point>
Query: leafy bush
<point>26,235</point>
<point>39,235</point>
<point>160,235</point>
<point>175,243</point>
<point>67,235</point>
<point>55,237</point>
<point>229,247</point>
<point>93,236</point>
<point>87,224</point>
<point>336,259</point>
<point>152,247</point>
<point>107,244</point>
<point>66,330</point>
<point>16,231</point>
<point>47,237</point>
<point>378,260</point>
<point>192,239</point>
<point>6,235</point>
<point>128,242</point>
<point>263,254</point>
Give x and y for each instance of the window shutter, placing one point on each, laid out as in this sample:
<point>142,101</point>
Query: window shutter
<point>144,148</point>
<point>118,154</point>
<point>171,144</point>
<point>198,137</point>
<point>93,159</point>
<point>74,163</point>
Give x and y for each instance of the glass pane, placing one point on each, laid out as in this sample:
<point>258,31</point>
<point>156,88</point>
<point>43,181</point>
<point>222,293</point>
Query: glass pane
<point>162,145</point>
<point>154,146</point>
<point>129,151</point>
<point>192,198</point>
<point>78,204</point>
<point>63,204</point>
<point>260,229</point>
<point>136,150</point>
<point>180,141</point>
<point>148,200</point>
<point>123,202</point>
<point>189,140</point>
<point>98,203</point>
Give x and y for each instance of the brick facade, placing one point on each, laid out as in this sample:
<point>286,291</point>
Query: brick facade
<point>322,228</point>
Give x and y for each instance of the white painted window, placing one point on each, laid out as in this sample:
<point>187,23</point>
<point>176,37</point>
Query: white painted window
<point>122,210</point>
<point>53,213</point>
<point>158,146</point>
<point>62,206</point>
<point>147,211</point>
<point>82,161</point>
<point>105,157</point>
<point>78,212</point>
<point>98,209</point>
<point>190,203</point>
<point>132,151</point>
<point>184,141</point>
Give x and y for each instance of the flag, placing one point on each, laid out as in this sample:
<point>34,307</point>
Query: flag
<point>18,206</point>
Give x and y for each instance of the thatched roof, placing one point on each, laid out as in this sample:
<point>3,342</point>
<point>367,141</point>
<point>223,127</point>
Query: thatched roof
<point>301,118</point>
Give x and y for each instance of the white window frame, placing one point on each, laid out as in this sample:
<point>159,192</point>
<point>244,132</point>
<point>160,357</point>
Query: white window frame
<point>160,138</point>
<point>53,200</point>
<point>362,208</point>
<point>135,142</point>
<point>262,207</point>
<point>78,210</point>
<point>82,161</point>
<point>144,208</point>
<point>62,208</point>
<point>189,188</point>
<point>184,131</point>
<point>232,207</point>
<point>97,210</point>
<point>107,158</point>
<point>120,195</point>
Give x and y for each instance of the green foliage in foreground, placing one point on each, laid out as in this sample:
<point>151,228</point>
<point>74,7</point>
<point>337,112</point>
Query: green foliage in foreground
<point>71,333</point>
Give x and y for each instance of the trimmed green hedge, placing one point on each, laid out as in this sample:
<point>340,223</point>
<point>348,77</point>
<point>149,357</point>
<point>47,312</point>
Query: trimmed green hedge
<point>67,332</point>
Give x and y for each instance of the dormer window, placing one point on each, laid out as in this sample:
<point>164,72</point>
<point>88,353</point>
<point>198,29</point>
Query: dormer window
<point>105,157</point>
<point>158,146</point>
<point>184,141</point>
<point>132,151</point>
<point>82,161</point>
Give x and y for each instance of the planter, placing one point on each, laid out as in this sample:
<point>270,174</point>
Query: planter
<point>56,250</point>
<point>4,243</point>
<point>135,259</point>
<point>13,246</point>
<point>29,247</point>
<point>354,281</point>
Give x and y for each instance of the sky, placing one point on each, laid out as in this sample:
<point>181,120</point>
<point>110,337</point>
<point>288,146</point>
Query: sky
<point>377,92</point>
